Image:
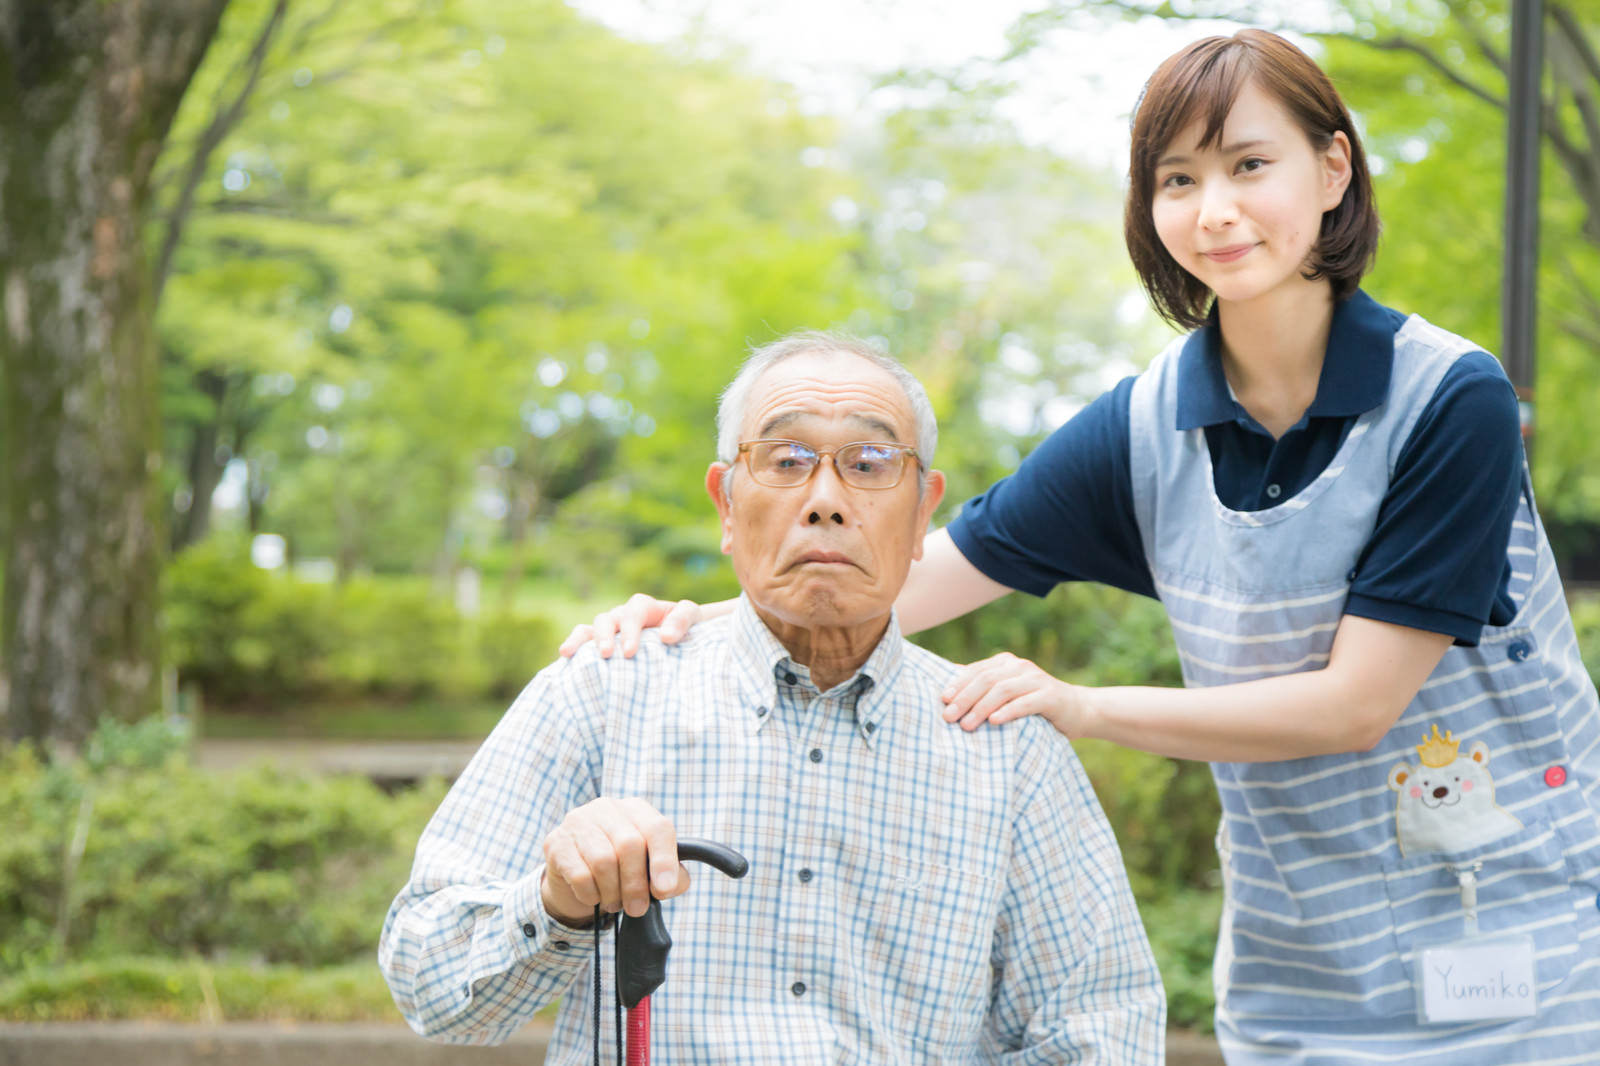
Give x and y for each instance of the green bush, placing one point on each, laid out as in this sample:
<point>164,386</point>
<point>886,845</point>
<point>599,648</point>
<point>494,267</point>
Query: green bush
<point>255,866</point>
<point>511,649</point>
<point>1586,621</point>
<point>248,637</point>
<point>393,639</point>
<point>1183,935</point>
<point>194,990</point>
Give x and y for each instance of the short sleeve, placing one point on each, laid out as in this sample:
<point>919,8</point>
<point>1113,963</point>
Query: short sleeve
<point>1437,557</point>
<point>1067,513</point>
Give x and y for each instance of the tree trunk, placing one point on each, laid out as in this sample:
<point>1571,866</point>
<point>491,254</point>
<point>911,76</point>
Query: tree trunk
<point>192,524</point>
<point>88,89</point>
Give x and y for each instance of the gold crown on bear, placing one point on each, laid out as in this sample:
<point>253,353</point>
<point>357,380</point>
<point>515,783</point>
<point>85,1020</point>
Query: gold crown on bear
<point>1437,751</point>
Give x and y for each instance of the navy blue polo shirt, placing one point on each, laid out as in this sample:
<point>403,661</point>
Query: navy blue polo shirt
<point>1437,557</point>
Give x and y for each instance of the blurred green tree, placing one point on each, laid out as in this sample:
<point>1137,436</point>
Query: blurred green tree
<point>459,266</point>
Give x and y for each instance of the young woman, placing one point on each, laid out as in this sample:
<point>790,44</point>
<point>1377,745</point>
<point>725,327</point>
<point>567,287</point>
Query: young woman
<point>1330,500</point>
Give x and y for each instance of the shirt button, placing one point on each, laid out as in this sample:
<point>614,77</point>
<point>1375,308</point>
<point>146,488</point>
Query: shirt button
<point>805,875</point>
<point>1351,576</point>
<point>561,945</point>
<point>1274,491</point>
<point>798,988</point>
<point>529,929</point>
<point>816,754</point>
<point>1556,776</point>
<point>791,678</point>
<point>872,727</point>
<point>761,712</point>
<point>1517,650</point>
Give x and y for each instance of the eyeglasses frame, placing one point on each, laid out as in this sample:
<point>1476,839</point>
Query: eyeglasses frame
<point>832,455</point>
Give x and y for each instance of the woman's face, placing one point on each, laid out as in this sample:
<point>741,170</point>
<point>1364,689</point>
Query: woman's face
<point>1243,214</point>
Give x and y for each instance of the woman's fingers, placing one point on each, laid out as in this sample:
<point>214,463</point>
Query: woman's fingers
<point>679,619</point>
<point>1002,695</point>
<point>621,626</point>
<point>581,634</point>
<point>976,679</point>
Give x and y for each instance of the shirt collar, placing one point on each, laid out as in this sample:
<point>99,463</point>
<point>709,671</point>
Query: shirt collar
<point>1355,368</point>
<point>759,660</point>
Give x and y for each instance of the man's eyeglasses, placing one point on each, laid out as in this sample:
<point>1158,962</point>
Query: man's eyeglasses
<point>862,464</point>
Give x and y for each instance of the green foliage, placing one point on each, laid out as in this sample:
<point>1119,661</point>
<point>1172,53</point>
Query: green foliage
<point>257,866</point>
<point>195,990</point>
<point>1586,623</point>
<point>251,637</point>
<point>1085,633</point>
<point>1183,934</point>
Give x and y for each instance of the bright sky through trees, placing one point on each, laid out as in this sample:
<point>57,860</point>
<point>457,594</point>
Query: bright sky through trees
<point>1073,95</point>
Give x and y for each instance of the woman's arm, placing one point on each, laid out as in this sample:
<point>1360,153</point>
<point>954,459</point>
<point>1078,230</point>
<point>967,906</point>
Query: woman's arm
<point>1374,671</point>
<point>942,585</point>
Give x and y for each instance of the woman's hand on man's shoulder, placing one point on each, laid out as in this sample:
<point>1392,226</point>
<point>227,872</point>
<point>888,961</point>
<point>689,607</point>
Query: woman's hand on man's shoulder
<point>620,626</point>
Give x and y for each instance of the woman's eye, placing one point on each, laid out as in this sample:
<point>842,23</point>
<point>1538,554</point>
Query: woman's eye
<point>1174,181</point>
<point>1251,164</point>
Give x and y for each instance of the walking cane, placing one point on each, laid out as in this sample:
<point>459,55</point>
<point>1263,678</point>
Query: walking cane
<point>642,946</point>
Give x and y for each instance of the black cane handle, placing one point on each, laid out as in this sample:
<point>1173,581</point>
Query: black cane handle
<point>717,856</point>
<point>643,943</point>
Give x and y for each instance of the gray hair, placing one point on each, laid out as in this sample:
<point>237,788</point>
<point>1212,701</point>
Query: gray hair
<point>736,397</point>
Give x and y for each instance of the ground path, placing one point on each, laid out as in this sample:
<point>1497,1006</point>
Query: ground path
<point>307,1044</point>
<point>381,760</point>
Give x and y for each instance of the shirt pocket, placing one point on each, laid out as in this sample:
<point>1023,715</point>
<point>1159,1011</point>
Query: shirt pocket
<point>925,940</point>
<point>1524,886</point>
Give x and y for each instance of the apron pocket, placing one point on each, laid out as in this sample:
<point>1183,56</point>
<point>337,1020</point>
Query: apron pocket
<point>1333,956</point>
<point>1523,886</point>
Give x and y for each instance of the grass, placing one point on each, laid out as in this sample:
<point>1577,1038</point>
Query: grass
<point>193,990</point>
<point>372,720</point>
<point>196,991</point>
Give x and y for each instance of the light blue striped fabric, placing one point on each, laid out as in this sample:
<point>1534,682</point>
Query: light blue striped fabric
<point>1326,907</point>
<point>940,896</point>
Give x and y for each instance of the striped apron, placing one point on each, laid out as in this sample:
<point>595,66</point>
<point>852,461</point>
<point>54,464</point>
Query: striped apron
<point>1335,871</point>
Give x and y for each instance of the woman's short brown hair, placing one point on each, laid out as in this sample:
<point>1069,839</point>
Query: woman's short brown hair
<point>1200,83</point>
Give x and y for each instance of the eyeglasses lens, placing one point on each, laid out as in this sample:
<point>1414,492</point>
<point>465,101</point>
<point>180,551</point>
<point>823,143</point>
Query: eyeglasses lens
<point>782,464</point>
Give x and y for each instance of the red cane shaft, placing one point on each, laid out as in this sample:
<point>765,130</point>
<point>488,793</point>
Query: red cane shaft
<point>639,1033</point>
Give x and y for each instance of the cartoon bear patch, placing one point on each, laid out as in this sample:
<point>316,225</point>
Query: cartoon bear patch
<point>1447,803</point>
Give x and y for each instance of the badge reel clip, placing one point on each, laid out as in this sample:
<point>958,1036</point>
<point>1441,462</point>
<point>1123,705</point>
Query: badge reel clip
<point>1475,978</point>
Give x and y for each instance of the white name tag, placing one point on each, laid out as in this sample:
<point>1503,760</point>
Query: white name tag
<point>1477,981</point>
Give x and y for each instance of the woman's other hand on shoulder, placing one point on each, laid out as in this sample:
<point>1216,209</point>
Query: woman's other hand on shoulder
<point>619,627</point>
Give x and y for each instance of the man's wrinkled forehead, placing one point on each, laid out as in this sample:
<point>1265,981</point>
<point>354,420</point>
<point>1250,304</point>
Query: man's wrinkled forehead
<point>789,422</point>
<point>829,387</point>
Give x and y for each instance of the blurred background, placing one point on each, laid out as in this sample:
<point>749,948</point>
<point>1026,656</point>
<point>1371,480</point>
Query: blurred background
<point>405,326</point>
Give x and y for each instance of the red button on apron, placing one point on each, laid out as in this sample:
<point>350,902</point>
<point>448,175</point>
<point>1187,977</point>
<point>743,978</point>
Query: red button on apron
<point>1556,776</point>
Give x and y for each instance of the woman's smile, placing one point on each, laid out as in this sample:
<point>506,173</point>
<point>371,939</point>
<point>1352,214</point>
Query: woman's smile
<point>1231,253</point>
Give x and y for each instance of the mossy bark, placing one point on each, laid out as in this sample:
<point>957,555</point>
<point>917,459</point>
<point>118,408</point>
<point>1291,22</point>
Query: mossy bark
<point>88,89</point>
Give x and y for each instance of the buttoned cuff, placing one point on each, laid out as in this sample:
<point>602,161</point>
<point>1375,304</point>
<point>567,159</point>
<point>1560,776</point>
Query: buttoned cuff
<point>538,938</point>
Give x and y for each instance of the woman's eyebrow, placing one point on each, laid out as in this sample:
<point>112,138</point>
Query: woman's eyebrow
<point>1227,149</point>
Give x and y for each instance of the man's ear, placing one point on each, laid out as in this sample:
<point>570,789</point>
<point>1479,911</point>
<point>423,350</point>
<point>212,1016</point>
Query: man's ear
<point>932,493</point>
<point>717,477</point>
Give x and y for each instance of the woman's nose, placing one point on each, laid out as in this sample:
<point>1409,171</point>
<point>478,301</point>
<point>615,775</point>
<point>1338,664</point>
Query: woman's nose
<point>1217,205</point>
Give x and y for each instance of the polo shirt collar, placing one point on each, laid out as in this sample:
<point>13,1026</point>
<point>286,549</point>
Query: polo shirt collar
<point>1355,368</point>
<point>759,660</point>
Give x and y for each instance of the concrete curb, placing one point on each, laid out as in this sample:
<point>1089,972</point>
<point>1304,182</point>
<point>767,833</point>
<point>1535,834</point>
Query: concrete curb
<point>316,1044</point>
<point>251,1044</point>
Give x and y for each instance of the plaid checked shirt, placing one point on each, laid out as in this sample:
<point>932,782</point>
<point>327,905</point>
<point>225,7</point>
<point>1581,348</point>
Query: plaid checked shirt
<point>916,894</point>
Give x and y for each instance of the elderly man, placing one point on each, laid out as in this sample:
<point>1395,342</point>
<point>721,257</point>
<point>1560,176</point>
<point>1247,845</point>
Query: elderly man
<point>916,893</point>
